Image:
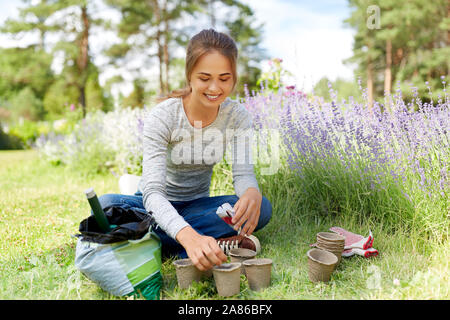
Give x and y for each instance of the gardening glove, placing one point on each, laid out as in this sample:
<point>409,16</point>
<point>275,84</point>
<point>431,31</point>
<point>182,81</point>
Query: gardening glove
<point>356,243</point>
<point>370,252</point>
<point>353,240</point>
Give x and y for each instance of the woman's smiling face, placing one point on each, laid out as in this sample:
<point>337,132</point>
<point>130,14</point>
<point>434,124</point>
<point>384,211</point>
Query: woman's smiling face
<point>211,80</point>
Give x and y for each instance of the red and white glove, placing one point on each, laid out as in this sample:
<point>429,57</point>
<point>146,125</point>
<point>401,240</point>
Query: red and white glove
<point>370,252</point>
<point>356,243</point>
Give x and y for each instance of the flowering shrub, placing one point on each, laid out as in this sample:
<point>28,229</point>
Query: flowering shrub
<point>100,141</point>
<point>389,162</point>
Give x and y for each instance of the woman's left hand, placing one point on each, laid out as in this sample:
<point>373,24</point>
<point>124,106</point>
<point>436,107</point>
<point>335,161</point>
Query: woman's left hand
<point>247,210</point>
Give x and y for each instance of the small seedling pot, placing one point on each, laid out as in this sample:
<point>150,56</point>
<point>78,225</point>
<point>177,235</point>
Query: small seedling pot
<point>207,274</point>
<point>187,272</point>
<point>321,264</point>
<point>240,255</point>
<point>258,273</point>
<point>227,278</point>
<point>336,251</point>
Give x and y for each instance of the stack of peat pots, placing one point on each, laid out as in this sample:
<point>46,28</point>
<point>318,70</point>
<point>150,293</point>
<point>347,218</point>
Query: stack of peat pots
<point>331,242</point>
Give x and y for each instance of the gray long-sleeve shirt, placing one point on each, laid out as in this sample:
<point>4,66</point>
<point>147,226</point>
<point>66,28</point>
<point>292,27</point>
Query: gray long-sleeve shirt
<point>178,158</point>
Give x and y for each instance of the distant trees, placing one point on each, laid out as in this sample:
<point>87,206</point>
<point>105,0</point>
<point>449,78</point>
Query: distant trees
<point>25,75</point>
<point>248,37</point>
<point>410,44</point>
<point>70,21</point>
<point>149,33</point>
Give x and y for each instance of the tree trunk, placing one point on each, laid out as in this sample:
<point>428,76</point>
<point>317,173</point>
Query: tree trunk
<point>388,70</point>
<point>82,99</point>
<point>83,58</point>
<point>157,12</point>
<point>448,17</point>
<point>166,65</point>
<point>212,13</point>
<point>369,71</point>
<point>166,48</point>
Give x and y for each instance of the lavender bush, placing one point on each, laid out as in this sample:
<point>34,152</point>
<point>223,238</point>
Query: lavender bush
<point>389,162</point>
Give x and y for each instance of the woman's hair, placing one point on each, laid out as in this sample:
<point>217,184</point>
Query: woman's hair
<point>206,41</point>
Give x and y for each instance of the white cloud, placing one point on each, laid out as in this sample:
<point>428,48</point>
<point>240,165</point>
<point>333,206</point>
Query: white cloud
<point>312,54</point>
<point>311,43</point>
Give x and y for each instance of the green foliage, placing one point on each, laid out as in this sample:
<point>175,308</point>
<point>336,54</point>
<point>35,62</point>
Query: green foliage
<point>24,67</point>
<point>343,88</point>
<point>58,97</point>
<point>8,142</point>
<point>148,30</point>
<point>28,131</point>
<point>417,30</point>
<point>272,79</point>
<point>25,75</point>
<point>248,38</point>
<point>96,97</point>
<point>161,23</point>
<point>25,104</point>
<point>31,66</point>
<point>137,97</point>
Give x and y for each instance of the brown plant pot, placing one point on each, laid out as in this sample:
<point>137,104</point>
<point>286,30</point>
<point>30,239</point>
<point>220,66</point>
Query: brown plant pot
<point>187,272</point>
<point>258,273</point>
<point>240,255</point>
<point>227,278</point>
<point>207,274</point>
<point>321,264</point>
<point>330,236</point>
<point>336,251</point>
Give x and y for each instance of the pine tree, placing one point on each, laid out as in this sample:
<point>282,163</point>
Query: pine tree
<point>148,29</point>
<point>72,21</point>
<point>411,44</point>
<point>248,38</point>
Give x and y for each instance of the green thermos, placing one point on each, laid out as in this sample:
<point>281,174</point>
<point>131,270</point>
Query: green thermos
<point>99,214</point>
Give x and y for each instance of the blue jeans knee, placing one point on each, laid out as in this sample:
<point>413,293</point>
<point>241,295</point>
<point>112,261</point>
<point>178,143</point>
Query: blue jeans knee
<point>265,213</point>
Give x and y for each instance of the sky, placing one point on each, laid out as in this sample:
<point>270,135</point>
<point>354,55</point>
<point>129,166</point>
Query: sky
<point>309,36</point>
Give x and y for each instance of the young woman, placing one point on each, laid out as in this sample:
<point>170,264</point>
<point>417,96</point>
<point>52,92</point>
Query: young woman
<point>184,136</point>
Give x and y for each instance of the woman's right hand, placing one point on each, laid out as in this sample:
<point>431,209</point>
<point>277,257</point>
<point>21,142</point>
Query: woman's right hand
<point>203,251</point>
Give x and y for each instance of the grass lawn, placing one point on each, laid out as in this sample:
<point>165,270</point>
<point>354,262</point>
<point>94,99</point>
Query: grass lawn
<point>42,205</point>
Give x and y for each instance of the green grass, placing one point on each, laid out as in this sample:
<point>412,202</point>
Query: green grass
<point>41,206</point>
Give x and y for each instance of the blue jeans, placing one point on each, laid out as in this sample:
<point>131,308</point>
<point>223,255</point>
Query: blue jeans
<point>199,213</point>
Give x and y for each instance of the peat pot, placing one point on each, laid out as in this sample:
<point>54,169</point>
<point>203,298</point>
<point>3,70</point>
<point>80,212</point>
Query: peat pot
<point>227,278</point>
<point>258,272</point>
<point>187,272</point>
<point>321,264</point>
<point>240,255</point>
